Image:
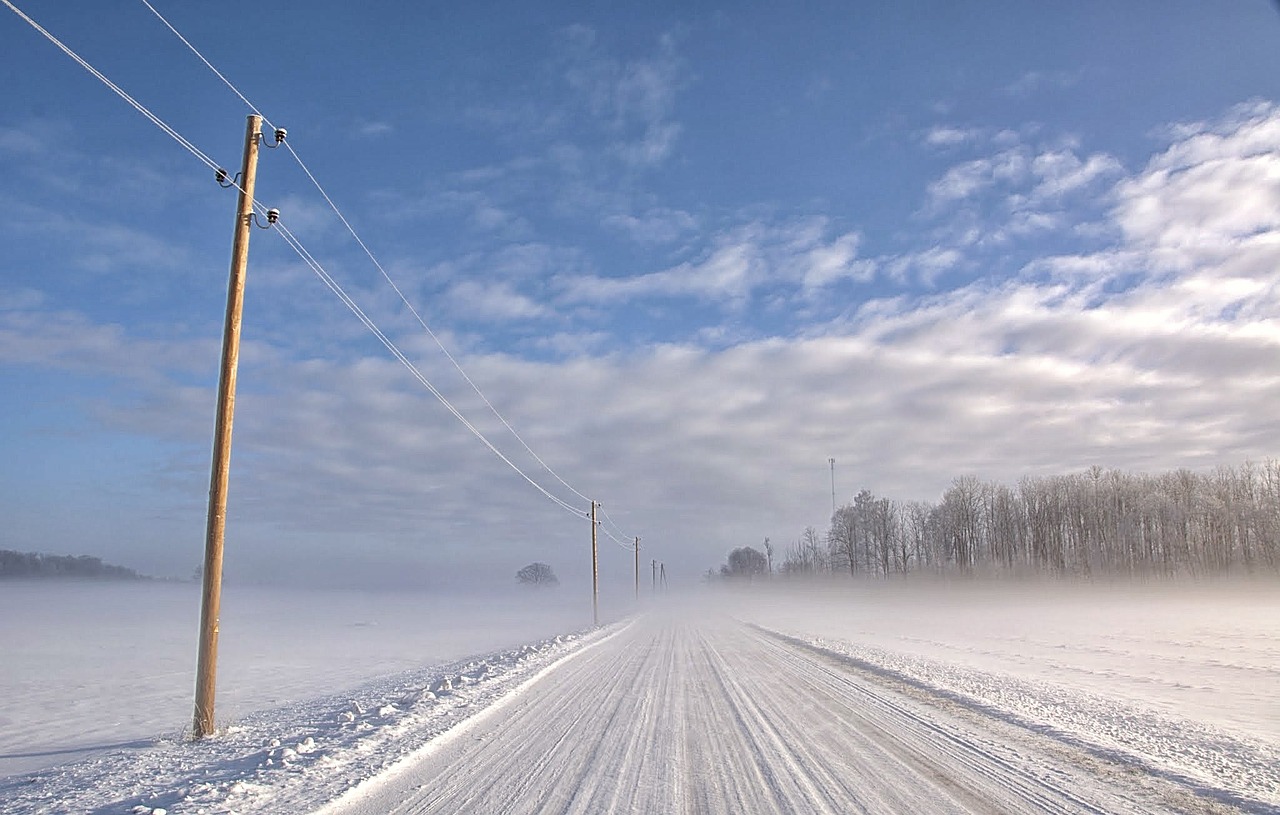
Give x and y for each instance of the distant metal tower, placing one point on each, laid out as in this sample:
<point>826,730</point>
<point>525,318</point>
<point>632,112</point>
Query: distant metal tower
<point>832,462</point>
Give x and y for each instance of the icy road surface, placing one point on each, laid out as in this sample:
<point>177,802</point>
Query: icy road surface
<point>713,715</point>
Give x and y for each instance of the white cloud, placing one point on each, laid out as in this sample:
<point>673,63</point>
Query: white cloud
<point>633,100</point>
<point>798,257</point>
<point>1062,172</point>
<point>1157,351</point>
<point>1246,130</point>
<point>728,274</point>
<point>21,299</point>
<point>947,136</point>
<point>1032,82</point>
<point>44,339</point>
<point>496,301</point>
<point>22,141</point>
<point>375,128</point>
<point>656,226</point>
<point>972,177</point>
<point>571,345</point>
<point>1208,192</point>
<point>925,265</point>
<point>1025,189</point>
<point>836,261</point>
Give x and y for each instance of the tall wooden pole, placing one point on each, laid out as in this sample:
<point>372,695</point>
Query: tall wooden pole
<point>211,597</point>
<point>637,568</point>
<point>595,570</point>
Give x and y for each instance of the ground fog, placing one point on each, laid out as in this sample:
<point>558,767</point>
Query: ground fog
<point>90,667</point>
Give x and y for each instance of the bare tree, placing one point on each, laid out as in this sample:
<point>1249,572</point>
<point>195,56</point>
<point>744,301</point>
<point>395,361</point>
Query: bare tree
<point>806,556</point>
<point>1094,522</point>
<point>538,574</point>
<point>842,540</point>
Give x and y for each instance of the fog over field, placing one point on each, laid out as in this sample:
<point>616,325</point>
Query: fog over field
<point>1175,677</point>
<point>93,665</point>
<point>951,329</point>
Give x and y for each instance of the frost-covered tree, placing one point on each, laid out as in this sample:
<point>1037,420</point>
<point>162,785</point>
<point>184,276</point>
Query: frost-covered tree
<point>1097,522</point>
<point>807,555</point>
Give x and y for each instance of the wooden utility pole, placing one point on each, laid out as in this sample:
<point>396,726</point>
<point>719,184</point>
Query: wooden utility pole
<point>653,565</point>
<point>637,568</point>
<point>211,598</point>
<point>595,570</point>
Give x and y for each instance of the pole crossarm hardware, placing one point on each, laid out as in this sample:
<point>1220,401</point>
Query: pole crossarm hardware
<point>215,531</point>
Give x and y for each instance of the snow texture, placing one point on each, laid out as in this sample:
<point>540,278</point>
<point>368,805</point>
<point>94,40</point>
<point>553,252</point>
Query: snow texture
<point>855,699</point>
<point>291,758</point>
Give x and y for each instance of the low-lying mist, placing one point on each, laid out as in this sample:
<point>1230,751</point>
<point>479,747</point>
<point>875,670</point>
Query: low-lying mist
<point>1206,651</point>
<point>89,665</point>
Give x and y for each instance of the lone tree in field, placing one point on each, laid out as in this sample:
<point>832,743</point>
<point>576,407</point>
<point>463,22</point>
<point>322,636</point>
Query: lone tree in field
<point>745,562</point>
<point>537,574</point>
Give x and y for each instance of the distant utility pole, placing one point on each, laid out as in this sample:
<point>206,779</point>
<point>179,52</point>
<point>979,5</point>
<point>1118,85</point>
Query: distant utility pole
<point>662,575</point>
<point>637,569</point>
<point>215,531</point>
<point>595,570</point>
<point>653,564</point>
<point>832,462</point>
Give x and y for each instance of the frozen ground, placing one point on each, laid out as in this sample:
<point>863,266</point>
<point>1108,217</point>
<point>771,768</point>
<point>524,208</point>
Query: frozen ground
<point>854,699</point>
<point>1179,681</point>
<point>88,667</point>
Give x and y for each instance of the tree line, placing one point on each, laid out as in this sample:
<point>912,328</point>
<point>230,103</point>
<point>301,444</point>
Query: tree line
<point>34,566</point>
<point>1100,522</point>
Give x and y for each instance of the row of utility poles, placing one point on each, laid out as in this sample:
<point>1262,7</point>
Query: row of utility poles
<point>215,528</point>
<point>659,569</point>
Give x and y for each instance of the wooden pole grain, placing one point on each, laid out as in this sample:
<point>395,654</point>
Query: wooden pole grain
<point>215,530</point>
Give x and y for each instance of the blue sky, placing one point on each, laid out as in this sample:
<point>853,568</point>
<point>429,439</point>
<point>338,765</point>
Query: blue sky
<point>689,251</point>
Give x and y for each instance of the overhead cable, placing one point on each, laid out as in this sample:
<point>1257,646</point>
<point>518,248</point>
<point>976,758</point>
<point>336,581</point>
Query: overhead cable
<point>368,252</point>
<point>138,106</point>
<point>302,252</point>
<point>368,322</point>
<point>617,528</point>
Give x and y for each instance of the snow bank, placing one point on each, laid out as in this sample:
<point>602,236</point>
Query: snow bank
<point>289,759</point>
<point>1181,681</point>
<point>88,668</point>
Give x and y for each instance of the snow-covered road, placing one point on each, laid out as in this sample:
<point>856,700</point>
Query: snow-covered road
<point>707,715</point>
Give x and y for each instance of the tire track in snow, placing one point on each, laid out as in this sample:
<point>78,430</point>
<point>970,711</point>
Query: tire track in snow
<point>708,715</point>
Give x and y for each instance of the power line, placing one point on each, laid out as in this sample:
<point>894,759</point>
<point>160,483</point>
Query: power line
<point>616,528</point>
<point>292,241</point>
<point>302,252</point>
<point>138,106</point>
<point>216,72</point>
<point>369,253</point>
<point>621,543</point>
<point>368,322</point>
<point>316,268</point>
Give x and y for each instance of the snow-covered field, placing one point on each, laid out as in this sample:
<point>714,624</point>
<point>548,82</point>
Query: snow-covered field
<point>1052,698</point>
<point>1182,680</point>
<point>87,667</point>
